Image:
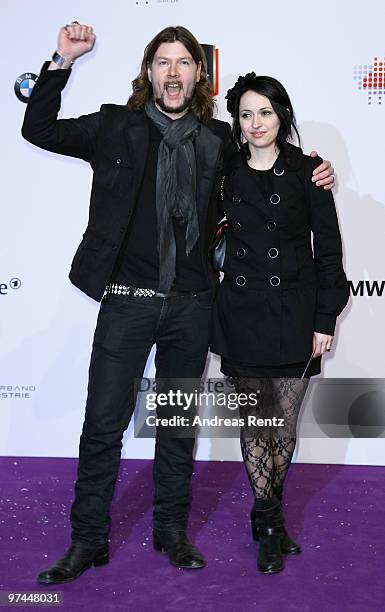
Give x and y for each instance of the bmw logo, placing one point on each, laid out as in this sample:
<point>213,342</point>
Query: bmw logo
<point>24,85</point>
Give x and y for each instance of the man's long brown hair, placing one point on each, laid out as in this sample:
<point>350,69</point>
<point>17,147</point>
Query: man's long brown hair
<point>202,104</point>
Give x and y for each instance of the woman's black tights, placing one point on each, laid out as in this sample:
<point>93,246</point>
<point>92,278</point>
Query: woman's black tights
<point>266,452</point>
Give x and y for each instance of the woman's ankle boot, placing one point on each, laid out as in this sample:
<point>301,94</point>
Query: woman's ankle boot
<point>288,545</point>
<point>267,519</point>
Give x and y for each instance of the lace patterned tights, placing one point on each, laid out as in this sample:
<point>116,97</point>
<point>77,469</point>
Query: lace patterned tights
<point>267,456</point>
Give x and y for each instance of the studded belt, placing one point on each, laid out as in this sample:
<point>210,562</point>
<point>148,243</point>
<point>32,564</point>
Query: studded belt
<point>116,289</point>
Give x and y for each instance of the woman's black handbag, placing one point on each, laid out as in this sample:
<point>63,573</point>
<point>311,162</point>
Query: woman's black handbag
<point>218,247</point>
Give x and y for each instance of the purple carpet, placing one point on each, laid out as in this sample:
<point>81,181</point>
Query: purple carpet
<point>335,512</point>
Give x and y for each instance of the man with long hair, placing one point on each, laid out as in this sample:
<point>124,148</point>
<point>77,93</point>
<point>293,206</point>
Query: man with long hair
<point>153,211</point>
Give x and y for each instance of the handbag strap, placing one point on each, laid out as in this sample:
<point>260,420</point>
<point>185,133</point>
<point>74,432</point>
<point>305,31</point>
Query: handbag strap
<point>307,366</point>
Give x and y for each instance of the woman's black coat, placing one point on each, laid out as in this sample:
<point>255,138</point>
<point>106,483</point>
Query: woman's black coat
<point>277,289</point>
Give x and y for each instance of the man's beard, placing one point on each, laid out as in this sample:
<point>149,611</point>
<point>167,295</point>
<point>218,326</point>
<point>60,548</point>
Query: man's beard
<point>173,109</point>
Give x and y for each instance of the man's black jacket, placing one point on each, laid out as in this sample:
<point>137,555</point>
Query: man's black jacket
<point>115,142</point>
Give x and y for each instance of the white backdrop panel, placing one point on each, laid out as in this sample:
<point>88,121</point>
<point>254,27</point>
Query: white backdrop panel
<point>46,325</point>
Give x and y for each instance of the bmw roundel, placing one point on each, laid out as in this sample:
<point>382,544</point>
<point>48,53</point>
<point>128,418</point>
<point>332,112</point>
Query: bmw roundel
<point>24,85</point>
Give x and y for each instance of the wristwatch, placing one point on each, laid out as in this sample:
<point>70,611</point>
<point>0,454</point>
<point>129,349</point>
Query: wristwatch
<point>60,60</point>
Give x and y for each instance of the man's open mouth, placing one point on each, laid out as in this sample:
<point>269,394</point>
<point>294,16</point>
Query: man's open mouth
<point>173,89</point>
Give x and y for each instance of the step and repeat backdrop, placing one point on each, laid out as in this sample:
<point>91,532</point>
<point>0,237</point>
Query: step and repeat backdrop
<point>331,58</point>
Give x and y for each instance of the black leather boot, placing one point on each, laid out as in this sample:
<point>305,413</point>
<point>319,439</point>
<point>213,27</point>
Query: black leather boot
<point>267,520</point>
<point>76,560</point>
<point>288,545</point>
<point>178,548</point>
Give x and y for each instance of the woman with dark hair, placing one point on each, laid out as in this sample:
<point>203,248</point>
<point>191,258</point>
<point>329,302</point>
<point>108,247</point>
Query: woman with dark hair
<point>276,309</point>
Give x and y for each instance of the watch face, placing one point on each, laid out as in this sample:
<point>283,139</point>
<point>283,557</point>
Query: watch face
<point>24,85</point>
<point>58,59</point>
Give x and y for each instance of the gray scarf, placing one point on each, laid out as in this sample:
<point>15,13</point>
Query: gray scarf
<point>175,188</point>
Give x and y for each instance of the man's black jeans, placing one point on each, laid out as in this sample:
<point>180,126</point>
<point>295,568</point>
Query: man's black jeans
<point>126,330</point>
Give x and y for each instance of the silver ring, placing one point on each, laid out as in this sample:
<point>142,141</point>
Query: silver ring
<point>68,25</point>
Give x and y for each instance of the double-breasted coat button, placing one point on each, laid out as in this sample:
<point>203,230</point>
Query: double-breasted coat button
<point>272,226</point>
<point>275,198</point>
<point>273,253</point>
<point>275,281</point>
<point>236,199</point>
<point>241,252</point>
<point>279,171</point>
<point>114,247</point>
<point>240,280</point>
<point>237,226</point>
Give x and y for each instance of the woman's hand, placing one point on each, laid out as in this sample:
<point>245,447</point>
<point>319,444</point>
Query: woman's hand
<point>323,174</point>
<point>321,343</point>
